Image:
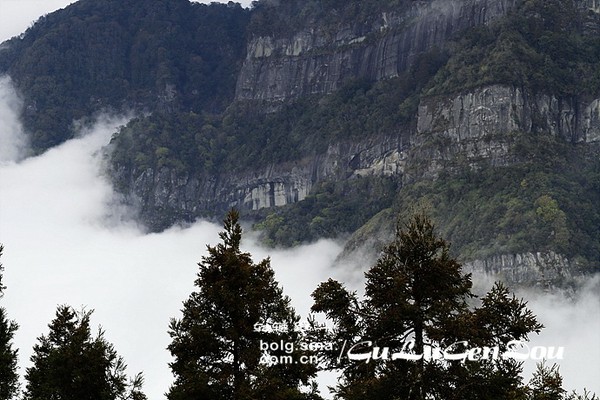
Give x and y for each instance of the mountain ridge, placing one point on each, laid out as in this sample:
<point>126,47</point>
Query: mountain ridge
<point>334,113</point>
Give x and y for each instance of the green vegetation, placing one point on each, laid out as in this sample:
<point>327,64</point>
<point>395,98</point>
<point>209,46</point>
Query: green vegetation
<point>216,345</point>
<point>117,55</point>
<point>416,292</point>
<point>69,363</point>
<point>238,336</point>
<point>543,45</point>
<point>547,201</point>
<point>284,18</point>
<point>245,138</point>
<point>171,140</point>
<point>332,209</point>
<point>178,61</point>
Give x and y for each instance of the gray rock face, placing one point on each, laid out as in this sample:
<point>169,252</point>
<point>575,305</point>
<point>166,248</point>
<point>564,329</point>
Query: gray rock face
<point>502,110</point>
<point>166,197</point>
<point>450,131</point>
<point>476,127</point>
<point>314,62</point>
<point>480,125</point>
<point>545,270</point>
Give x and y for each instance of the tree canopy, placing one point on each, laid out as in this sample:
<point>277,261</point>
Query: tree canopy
<point>71,364</point>
<point>218,347</point>
<point>417,293</point>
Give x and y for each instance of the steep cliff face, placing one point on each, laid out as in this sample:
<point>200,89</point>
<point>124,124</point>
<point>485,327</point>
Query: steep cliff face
<point>314,61</point>
<point>481,125</point>
<point>337,99</point>
<point>452,132</point>
<point>165,196</point>
<point>501,110</point>
<point>545,270</point>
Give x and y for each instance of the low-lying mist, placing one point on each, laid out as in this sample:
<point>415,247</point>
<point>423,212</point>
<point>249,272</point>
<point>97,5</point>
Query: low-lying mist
<point>67,243</point>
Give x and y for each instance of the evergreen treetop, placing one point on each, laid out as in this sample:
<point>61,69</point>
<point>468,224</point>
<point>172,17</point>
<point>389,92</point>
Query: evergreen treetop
<point>70,364</point>
<point>9,379</point>
<point>416,293</point>
<point>218,351</point>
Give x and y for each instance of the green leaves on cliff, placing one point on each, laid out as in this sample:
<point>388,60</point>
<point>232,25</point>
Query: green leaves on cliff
<point>547,201</point>
<point>548,46</point>
<point>333,208</point>
<point>284,18</point>
<point>245,138</point>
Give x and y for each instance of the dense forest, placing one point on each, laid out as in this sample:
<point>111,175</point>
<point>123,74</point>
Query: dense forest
<point>119,55</point>
<point>526,49</point>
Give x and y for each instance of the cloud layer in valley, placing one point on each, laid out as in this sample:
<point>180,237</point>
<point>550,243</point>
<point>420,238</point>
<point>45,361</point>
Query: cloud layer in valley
<point>67,243</point>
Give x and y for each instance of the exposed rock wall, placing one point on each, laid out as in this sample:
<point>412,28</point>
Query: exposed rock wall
<point>502,109</point>
<point>545,270</point>
<point>480,125</point>
<point>166,197</point>
<point>590,122</point>
<point>469,128</point>
<point>312,61</point>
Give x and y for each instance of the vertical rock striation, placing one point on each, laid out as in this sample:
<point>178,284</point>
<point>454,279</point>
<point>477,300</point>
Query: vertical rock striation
<point>313,61</point>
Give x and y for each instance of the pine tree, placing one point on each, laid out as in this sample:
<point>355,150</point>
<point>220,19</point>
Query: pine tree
<point>9,379</point>
<point>218,351</point>
<point>546,384</point>
<point>70,364</point>
<point>416,293</point>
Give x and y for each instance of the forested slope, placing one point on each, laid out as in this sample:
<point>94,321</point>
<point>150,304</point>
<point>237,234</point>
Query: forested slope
<point>313,117</point>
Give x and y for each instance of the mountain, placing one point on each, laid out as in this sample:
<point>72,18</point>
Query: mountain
<point>141,55</point>
<point>319,118</point>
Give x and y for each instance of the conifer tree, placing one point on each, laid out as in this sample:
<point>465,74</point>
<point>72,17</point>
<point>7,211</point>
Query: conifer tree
<point>9,379</point>
<point>546,384</point>
<point>416,293</point>
<point>219,353</point>
<point>70,364</point>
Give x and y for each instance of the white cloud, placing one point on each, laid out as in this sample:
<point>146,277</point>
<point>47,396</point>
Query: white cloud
<point>571,320</point>
<point>13,143</point>
<point>61,250</point>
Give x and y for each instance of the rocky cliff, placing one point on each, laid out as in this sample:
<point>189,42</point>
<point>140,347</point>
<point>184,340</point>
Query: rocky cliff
<point>544,270</point>
<point>481,126</point>
<point>316,61</point>
<point>166,196</point>
<point>473,129</point>
<point>449,100</point>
